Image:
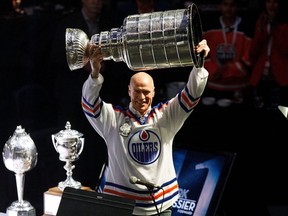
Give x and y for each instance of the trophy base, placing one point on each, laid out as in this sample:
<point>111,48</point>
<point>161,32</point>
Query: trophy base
<point>21,209</point>
<point>69,183</point>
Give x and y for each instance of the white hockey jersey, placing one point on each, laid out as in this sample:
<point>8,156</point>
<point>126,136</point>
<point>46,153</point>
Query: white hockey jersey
<point>141,146</point>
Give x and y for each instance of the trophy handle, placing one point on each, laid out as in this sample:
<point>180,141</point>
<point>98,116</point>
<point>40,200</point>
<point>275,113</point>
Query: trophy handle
<point>82,145</point>
<point>54,143</point>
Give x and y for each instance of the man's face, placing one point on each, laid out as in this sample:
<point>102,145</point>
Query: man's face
<point>141,92</point>
<point>228,8</point>
<point>272,7</point>
<point>93,6</point>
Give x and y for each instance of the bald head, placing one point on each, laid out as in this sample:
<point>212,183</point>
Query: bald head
<point>142,78</point>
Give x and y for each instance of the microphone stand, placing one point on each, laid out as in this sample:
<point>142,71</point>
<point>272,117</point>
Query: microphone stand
<point>150,189</point>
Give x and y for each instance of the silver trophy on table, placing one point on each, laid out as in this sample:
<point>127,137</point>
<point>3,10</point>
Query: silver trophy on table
<point>69,144</point>
<point>146,41</point>
<point>20,155</point>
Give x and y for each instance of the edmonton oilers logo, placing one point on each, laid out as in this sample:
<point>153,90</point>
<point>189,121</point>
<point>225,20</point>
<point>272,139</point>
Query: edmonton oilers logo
<point>144,146</point>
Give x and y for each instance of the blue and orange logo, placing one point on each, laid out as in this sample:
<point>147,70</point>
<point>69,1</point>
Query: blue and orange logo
<point>144,147</point>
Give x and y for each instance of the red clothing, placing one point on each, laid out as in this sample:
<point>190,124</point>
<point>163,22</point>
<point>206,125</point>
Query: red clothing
<point>279,52</point>
<point>227,60</point>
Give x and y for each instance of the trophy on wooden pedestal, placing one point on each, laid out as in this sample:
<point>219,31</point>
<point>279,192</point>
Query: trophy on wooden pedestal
<point>69,144</point>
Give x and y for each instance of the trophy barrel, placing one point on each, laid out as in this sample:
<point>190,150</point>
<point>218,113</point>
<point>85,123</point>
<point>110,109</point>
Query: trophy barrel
<point>162,39</point>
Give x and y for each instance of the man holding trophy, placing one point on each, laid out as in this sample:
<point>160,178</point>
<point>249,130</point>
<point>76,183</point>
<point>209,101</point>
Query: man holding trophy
<point>139,139</point>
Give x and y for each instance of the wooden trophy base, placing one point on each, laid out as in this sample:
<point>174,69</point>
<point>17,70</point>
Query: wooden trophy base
<point>52,199</point>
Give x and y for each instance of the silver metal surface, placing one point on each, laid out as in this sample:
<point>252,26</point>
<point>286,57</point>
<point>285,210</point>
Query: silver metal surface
<point>19,156</point>
<point>69,144</point>
<point>283,110</point>
<point>144,42</point>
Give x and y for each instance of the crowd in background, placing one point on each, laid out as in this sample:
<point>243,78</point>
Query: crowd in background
<point>40,92</point>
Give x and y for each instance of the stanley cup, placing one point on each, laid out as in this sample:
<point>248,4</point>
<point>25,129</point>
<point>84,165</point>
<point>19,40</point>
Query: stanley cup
<point>20,155</point>
<point>146,41</point>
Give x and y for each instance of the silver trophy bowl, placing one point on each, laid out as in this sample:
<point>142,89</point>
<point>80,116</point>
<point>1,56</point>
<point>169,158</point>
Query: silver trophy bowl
<point>144,42</point>
<point>69,144</point>
<point>19,156</point>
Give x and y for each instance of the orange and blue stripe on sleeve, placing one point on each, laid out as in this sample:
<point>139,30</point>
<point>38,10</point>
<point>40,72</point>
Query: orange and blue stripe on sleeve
<point>92,110</point>
<point>186,101</point>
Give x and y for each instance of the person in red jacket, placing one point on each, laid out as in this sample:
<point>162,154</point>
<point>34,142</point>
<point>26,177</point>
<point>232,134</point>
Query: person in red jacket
<point>228,59</point>
<point>269,56</point>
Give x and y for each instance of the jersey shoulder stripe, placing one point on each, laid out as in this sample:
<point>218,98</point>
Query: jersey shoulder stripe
<point>92,110</point>
<point>186,101</point>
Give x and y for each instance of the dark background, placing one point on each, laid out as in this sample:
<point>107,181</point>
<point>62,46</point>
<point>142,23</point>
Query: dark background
<point>259,176</point>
